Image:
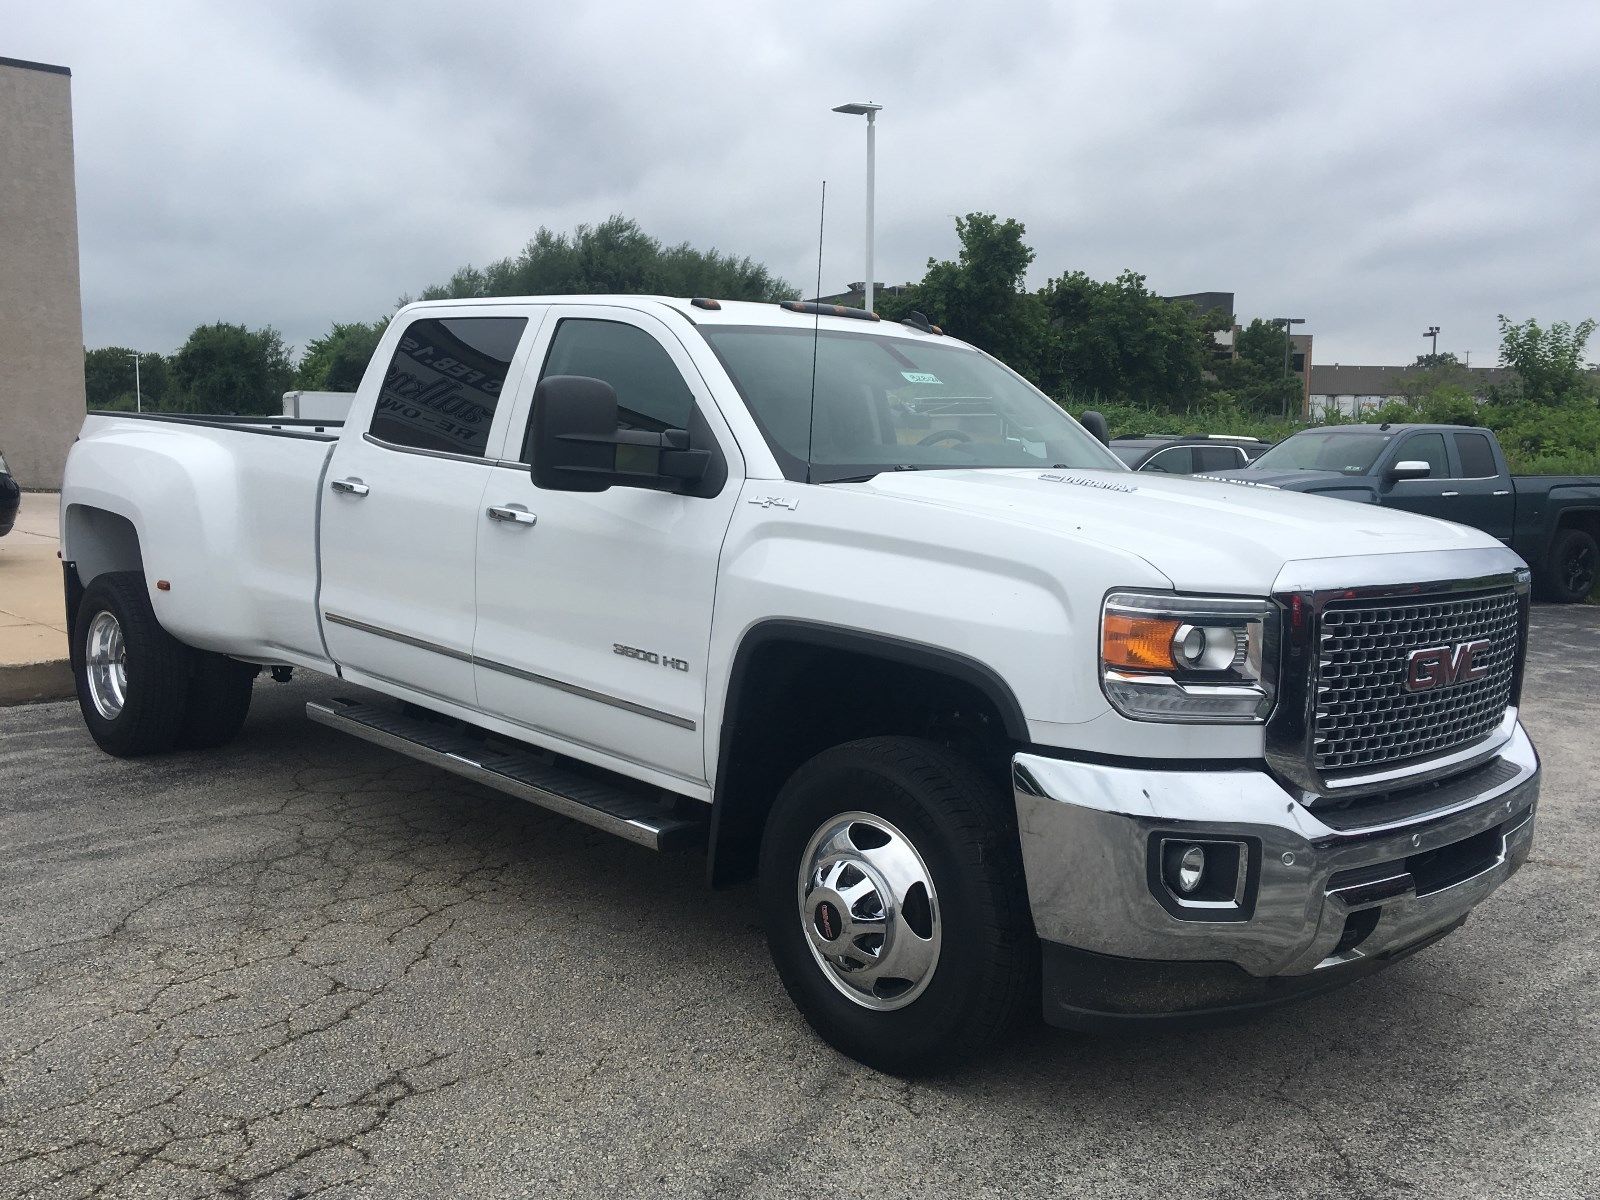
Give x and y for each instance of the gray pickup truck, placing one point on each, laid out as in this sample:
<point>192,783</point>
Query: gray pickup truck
<point>1454,473</point>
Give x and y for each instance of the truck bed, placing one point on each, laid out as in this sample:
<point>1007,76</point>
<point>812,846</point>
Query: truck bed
<point>283,426</point>
<point>200,491</point>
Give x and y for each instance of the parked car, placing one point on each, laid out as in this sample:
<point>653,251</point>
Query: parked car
<point>1458,474</point>
<point>10,498</point>
<point>994,723</point>
<point>1186,454</point>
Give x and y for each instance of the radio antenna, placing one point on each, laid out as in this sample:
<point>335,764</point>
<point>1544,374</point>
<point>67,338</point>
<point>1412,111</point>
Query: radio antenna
<point>816,330</point>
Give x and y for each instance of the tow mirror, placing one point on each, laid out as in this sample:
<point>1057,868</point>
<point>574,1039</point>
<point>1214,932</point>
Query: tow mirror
<point>1095,423</point>
<point>1408,468</point>
<point>577,446</point>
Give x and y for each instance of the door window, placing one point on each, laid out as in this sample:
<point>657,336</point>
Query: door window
<point>651,392</point>
<point>1428,448</point>
<point>1173,461</point>
<point>1477,456</point>
<point>444,382</point>
<point>1217,458</point>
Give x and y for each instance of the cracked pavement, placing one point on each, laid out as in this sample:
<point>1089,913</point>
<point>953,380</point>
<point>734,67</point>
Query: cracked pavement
<point>304,966</point>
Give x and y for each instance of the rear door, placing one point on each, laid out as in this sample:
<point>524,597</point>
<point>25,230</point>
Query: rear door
<point>1485,501</point>
<point>594,610</point>
<point>402,510</point>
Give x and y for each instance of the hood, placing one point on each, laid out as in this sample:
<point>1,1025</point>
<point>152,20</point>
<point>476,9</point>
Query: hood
<point>1297,481</point>
<point>1202,534</point>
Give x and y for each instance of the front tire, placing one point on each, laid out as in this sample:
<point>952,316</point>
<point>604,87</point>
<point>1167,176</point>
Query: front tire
<point>1570,569</point>
<point>132,675</point>
<point>893,898</point>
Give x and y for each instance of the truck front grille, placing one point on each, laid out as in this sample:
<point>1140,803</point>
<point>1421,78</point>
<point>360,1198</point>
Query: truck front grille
<point>1366,717</point>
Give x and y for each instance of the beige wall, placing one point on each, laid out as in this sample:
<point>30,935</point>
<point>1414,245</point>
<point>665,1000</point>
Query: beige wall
<point>41,312</point>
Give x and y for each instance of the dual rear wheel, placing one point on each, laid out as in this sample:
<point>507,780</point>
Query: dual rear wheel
<point>141,690</point>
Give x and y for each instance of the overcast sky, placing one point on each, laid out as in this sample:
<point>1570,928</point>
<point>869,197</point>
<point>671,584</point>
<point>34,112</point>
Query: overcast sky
<point>1372,167</point>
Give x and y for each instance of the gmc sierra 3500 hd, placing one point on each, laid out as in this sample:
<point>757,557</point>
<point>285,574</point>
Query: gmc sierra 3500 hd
<point>988,716</point>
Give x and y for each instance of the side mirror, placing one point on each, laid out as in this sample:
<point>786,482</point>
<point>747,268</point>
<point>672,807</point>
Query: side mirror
<point>1095,423</point>
<point>577,447</point>
<point>1408,468</point>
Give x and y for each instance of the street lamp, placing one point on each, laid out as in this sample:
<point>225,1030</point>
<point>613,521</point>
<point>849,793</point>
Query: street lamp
<point>1286,322</point>
<point>870,111</point>
<point>1433,332</point>
<point>138,393</point>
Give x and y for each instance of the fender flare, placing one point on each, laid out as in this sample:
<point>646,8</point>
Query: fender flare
<point>936,659</point>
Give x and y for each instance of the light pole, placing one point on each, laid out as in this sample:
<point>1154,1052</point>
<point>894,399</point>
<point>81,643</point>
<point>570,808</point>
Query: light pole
<point>870,111</point>
<point>1433,332</point>
<point>1286,322</point>
<point>138,392</point>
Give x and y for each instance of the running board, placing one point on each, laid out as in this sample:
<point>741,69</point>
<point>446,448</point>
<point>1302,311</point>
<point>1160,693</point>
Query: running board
<point>635,811</point>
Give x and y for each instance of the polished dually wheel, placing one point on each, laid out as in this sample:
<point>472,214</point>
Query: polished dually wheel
<point>869,911</point>
<point>106,664</point>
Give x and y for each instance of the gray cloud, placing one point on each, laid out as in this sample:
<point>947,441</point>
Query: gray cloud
<point>1373,168</point>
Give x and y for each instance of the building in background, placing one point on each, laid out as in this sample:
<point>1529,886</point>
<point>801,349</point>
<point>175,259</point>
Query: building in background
<point>41,310</point>
<point>1354,390</point>
<point>1227,338</point>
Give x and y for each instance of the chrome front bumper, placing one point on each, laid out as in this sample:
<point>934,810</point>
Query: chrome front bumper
<point>1421,861</point>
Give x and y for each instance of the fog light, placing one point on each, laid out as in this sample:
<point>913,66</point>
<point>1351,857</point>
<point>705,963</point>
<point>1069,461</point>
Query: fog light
<point>1203,879</point>
<point>1191,868</point>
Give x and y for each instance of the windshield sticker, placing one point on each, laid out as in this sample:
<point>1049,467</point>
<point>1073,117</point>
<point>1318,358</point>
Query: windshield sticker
<point>921,377</point>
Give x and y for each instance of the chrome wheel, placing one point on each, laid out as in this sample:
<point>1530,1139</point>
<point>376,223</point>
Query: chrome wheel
<point>105,662</point>
<point>869,911</point>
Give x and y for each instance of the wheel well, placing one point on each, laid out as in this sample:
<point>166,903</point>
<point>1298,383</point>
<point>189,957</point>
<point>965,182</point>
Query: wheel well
<point>1587,520</point>
<point>100,541</point>
<point>797,690</point>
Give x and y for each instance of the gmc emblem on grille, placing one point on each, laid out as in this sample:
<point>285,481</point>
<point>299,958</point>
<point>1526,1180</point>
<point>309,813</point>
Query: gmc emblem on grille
<point>1445,666</point>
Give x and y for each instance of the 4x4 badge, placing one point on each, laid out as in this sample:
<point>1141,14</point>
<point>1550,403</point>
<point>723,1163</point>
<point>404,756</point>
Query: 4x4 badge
<point>789,502</point>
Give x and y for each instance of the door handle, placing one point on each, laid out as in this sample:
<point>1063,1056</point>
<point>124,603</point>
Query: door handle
<point>510,512</point>
<point>1449,493</point>
<point>1506,492</point>
<point>350,487</point>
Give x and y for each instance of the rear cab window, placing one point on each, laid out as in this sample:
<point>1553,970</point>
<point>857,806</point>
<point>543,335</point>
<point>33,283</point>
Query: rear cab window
<point>443,384</point>
<point>1476,455</point>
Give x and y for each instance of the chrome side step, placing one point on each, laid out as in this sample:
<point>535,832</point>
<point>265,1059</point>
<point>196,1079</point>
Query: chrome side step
<point>642,814</point>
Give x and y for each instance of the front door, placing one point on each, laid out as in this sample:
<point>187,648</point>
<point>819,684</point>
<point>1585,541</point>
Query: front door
<point>401,513</point>
<point>594,608</point>
<point>1435,494</point>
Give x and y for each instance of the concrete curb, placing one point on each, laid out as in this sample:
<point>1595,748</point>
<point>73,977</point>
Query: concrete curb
<point>35,683</point>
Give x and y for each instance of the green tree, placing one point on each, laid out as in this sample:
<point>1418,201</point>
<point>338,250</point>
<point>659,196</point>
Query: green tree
<point>1548,362</point>
<point>980,296</point>
<point>614,256</point>
<point>1122,342</point>
<point>336,361</point>
<point>108,379</point>
<point>225,368</point>
<point>1255,380</point>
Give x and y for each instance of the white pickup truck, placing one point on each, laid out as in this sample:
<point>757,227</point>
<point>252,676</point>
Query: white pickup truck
<point>991,719</point>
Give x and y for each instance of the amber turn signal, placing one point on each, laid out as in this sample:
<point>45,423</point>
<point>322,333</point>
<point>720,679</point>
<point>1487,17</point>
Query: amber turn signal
<point>1138,643</point>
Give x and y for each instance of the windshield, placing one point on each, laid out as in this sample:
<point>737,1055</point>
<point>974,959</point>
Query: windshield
<point>893,403</point>
<point>1130,454</point>
<point>1347,453</point>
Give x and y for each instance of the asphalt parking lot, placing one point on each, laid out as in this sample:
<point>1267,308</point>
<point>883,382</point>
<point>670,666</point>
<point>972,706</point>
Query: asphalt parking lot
<point>303,966</point>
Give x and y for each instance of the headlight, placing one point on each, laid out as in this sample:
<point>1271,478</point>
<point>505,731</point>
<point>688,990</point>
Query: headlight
<point>1187,658</point>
